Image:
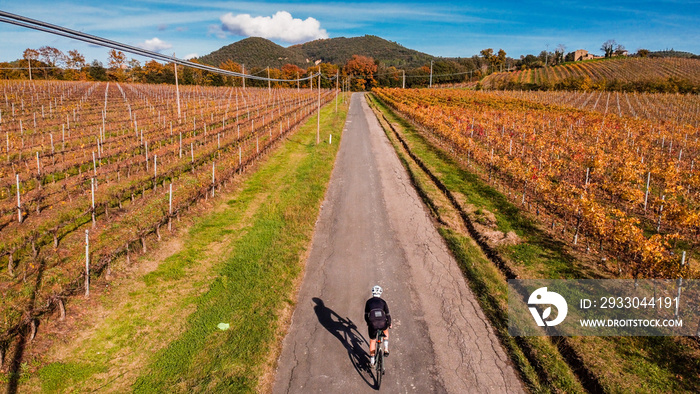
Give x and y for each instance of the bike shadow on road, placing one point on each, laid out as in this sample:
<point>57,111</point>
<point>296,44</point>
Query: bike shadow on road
<point>347,333</point>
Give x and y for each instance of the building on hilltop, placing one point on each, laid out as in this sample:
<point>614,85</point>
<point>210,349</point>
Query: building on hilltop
<point>582,54</point>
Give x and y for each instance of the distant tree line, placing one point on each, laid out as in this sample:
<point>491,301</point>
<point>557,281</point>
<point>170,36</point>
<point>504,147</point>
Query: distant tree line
<point>363,72</point>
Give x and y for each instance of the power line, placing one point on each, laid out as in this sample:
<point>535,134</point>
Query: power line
<point>398,73</point>
<point>34,24</point>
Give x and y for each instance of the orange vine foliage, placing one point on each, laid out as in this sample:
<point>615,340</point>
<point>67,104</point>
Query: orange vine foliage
<point>588,169</point>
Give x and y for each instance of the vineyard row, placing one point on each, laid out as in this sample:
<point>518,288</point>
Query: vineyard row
<point>612,180</point>
<point>45,247</point>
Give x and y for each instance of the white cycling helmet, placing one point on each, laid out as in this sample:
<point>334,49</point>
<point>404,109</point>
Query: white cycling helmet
<point>377,291</point>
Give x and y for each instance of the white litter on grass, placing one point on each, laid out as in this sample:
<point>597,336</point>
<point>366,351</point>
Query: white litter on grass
<point>223,326</point>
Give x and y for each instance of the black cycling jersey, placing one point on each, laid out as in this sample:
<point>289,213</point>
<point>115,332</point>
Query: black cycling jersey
<point>377,303</point>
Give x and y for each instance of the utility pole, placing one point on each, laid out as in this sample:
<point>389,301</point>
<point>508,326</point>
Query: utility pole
<point>431,73</point>
<point>269,83</point>
<point>403,86</point>
<point>243,77</point>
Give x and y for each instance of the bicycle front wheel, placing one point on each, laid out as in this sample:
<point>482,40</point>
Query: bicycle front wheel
<point>379,372</point>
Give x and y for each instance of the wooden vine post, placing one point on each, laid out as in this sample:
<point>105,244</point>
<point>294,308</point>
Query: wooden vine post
<point>170,208</point>
<point>92,187</point>
<point>661,210</point>
<point>680,284</point>
<point>646,194</point>
<point>87,263</point>
<point>19,202</point>
<point>155,171</point>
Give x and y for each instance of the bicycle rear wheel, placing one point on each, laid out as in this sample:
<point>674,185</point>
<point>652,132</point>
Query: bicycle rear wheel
<point>379,372</point>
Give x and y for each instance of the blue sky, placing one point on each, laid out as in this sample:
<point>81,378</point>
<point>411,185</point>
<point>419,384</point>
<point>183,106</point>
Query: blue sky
<point>443,28</point>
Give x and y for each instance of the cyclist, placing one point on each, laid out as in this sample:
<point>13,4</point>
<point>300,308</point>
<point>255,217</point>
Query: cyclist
<point>378,318</point>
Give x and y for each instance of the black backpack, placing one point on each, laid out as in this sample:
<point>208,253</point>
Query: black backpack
<point>377,318</point>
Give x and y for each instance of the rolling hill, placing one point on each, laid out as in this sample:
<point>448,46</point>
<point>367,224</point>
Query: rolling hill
<point>260,52</point>
<point>256,52</point>
<point>340,50</point>
<point>623,74</point>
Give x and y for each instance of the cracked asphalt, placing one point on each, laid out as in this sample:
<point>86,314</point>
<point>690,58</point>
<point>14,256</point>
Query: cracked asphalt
<point>374,229</point>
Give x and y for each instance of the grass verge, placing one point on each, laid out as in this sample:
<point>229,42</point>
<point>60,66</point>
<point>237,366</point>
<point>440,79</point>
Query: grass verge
<point>611,364</point>
<point>239,264</point>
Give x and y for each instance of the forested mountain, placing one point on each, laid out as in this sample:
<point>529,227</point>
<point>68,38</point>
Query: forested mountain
<point>256,52</point>
<point>340,50</point>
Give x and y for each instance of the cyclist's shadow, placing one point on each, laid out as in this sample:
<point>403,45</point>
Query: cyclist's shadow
<point>346,332</point>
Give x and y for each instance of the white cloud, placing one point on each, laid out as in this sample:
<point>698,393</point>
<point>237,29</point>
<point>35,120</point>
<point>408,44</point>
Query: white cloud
<point>190,56</point>
<point>155,44</point>
<point>281,26</point>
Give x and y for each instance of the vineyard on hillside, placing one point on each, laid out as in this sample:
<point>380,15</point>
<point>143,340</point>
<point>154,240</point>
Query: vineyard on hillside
<point>627,188</point>
<point>106,165</point>
<point>668,75</point>
<point>656,107</point>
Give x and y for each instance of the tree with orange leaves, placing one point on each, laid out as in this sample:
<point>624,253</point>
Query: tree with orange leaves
<point>361,69</point>
<point>292,71</point>
<point>230,65</point>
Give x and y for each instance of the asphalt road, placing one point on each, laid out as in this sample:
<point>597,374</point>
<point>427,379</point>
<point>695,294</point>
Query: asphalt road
<point>374,229</point>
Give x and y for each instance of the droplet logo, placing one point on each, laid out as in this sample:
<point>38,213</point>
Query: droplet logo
<point>543,297</point>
